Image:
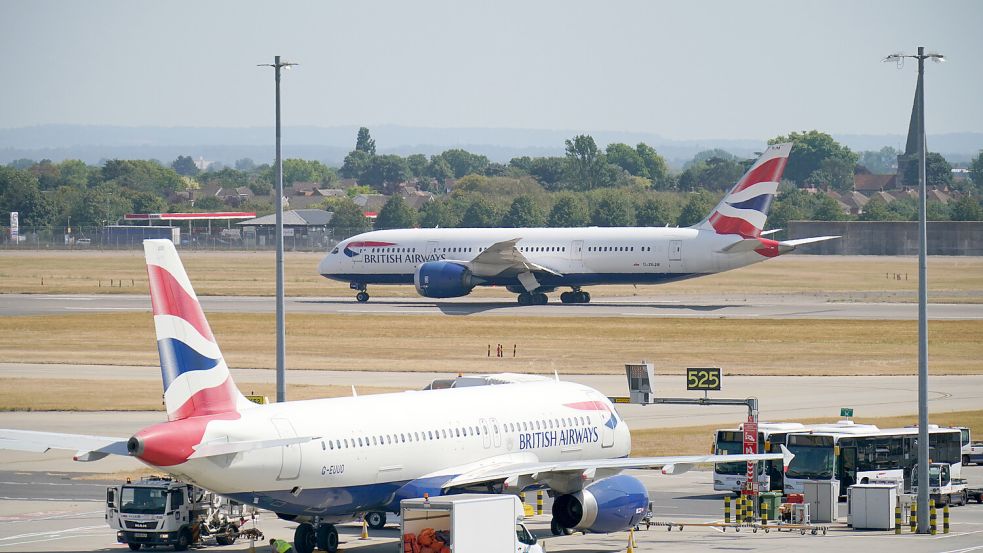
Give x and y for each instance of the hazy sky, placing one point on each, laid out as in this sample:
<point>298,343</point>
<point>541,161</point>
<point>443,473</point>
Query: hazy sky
<point>682,69</point>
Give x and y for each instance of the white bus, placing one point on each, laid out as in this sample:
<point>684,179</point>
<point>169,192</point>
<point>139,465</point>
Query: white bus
<point>859,453</point>
<point>730,477</point>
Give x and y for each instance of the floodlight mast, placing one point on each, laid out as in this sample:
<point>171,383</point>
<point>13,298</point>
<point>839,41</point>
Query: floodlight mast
<point>923,444</point>
<point>281,393</point>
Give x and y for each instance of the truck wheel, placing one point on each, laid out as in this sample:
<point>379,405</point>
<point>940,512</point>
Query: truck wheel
<point>327,538</point>
<point>304,539</point>
<point>376,520</point>
<point>134,546</point>
<point>965,460</point>
<point>183,540</point>
<point>558,530</point>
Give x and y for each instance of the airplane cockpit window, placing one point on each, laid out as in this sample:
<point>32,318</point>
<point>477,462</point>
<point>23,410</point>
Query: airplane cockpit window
<point>335,250</point>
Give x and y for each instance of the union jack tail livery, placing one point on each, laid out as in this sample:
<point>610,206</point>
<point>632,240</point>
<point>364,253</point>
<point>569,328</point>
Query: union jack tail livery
<point>744,209</point>
<point>196,379</point>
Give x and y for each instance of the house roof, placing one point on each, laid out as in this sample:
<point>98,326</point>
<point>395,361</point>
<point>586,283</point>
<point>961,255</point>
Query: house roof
<point>295,218</point>
<point>370,202</point>
<point>854,199</point>
<point>870,183</point>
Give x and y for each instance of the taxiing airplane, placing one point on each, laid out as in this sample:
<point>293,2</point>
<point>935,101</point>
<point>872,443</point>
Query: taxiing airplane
<point>448,263</point>
<point>320,462</point>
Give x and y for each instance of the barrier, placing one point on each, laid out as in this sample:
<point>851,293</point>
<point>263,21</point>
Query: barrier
<point>897,520</point>
<point>726,509</point>
<point>539,502</point>
<point>945,519</point>
<point>932,520</point>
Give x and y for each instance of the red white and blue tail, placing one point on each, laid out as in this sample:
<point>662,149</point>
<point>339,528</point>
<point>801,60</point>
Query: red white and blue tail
<point>196,379</point>
<point>744,210</point>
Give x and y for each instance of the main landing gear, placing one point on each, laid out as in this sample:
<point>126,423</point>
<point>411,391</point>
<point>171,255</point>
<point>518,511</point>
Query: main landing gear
<point>538,298</point>
<point>363,295</point>
<point>307,538</point>
<point>576,296</point>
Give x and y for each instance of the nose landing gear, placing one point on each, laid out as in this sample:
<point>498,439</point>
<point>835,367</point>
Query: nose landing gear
<point>363,295</point>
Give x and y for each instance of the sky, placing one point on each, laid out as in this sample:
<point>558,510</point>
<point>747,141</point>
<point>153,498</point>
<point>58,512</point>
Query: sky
<point>680,69</point>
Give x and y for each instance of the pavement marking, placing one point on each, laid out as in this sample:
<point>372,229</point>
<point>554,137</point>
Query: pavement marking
<point>6,498</point>
<point>67,308</point>
<point>50,536</point>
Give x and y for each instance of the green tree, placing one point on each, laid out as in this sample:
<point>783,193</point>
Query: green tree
<point>976,171</point>
<point>696,208</point>
<point>495,169</point>
<point>355,163</point>
<point>627,158</point>
<point>569,211</point>
<point>438,214</point>
<point>584,163</point>
<point>549,171</point>
<point>73,172</point>
<point>396,213</point>
<point>657,170</point>
<point>19,191</point>
<point>612,209</point>
<point>184,165</point>
<point>809,150</point>
<point>880,162</point>
<point>439,169</point>
<point>524,212</point>
<point>654,212</point>
<point>791,204</point>
<point>479,214</point>
<point>966,208</point>
<point>47,173</point>
<point>385,173</point>
<point>523,163</point>
<point>245,165</point>
<point>709,154</point>
<point>142,175</point>
<point>209,203</point>
<point>938,172</point>
<point>347,218</point>
<point>417,165</point>
<point>463,162</point>
<point>364,142</point>
<point>713,174</point>
<point>825,208</point>
<point>303,170</point>
<point>145,202</point>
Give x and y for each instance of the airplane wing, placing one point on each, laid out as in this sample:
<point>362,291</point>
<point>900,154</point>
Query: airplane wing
<point>571,476</point>
<point>504,259</point>
<point>88,448</point>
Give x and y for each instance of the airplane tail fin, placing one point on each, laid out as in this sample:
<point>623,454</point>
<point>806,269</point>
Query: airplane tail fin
<point>196,379</point>
<point>744,210</point>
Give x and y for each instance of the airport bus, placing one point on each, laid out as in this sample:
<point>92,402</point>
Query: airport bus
<point>860,453</point>
<point>730,477</point>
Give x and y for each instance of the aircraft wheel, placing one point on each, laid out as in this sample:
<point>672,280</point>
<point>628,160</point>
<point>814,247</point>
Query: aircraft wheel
<point>566,297</point>
<point>327,537</point>
<point>376,520</point>
<point>583,297</point>
<point>362,297</point>
<point>134,546</point>
<point>540,299</point>
<point>525,298</point>
<point>305,539</point>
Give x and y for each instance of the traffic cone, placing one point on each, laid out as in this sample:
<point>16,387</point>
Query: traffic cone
<point>365,530</point>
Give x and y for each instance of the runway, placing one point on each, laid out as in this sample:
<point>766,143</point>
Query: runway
<point>777,306</point>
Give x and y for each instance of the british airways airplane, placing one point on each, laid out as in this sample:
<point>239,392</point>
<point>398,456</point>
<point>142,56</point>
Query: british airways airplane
<point>320,462</point>
<point>531,262</point>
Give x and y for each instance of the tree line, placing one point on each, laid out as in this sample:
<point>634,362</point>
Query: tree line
<point>618,185</point>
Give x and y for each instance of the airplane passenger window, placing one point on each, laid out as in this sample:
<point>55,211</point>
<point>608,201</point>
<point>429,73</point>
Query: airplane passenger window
<point>402,438</point>
<point>550,423</point>
<point>416,436</point>
<point>443,432</point>
<point>485,428</point>
<point>389,439</point>
<point>360,442</point>
<point>323,446</point>
<point>471,431</point>
<point>346,443</point>
<point>331,444</point>
<point>457,432</point>
<point>429,433</point>
<point>373,441</point>
<point>537,425</point>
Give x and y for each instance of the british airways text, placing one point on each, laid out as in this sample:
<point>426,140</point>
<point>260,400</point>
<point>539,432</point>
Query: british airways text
<point>553,438</point>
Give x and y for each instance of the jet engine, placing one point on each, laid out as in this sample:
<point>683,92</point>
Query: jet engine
<point>609,505</point>
<point>442,279</point>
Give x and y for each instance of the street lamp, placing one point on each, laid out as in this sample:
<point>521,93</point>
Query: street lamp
<point>919,120</point>
<point>281,393</point>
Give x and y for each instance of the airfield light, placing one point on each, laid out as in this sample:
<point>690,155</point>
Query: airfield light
<point>919,121</point>
<point>281,393</point>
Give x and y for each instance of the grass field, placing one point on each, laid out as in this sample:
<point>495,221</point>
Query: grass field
<point>543,344</point>
<point>849,278</point>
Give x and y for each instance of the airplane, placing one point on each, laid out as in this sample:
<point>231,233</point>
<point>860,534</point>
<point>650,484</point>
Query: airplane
<point>531,262</point>
<point>324,461</point>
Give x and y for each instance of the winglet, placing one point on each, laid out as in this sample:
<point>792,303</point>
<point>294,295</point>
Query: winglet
<point>787,457</point>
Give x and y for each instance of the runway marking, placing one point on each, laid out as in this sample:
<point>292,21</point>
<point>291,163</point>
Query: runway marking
<point>49,536</point>
<point>49,515</point>
<point>69,499</point>
<point>106,308</point>
<point>49,484</point>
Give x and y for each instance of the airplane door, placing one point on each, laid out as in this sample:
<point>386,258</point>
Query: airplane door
<point>430,250</point>
<point>290,454</point>
<point>496,435</point>
<point>676,256</point>
<point>485,435</point>
<point>607,421</point>
<point>576,256</point>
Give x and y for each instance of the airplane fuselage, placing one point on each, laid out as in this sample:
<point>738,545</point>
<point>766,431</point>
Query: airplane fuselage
<point>580,256</point>
<point>371,451</point>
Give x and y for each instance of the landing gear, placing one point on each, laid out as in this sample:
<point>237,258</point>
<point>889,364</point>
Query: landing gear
<point>304,538</point>
<point>376,520</point>
<point>363,295</point>
<point>539,298</point>
<point>558,530</point>
<point>576,296</point>
<point>327,538</point>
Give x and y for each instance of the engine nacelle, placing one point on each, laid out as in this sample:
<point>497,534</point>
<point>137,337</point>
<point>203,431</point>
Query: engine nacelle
<point>609,505</point>
<point>442,279</point>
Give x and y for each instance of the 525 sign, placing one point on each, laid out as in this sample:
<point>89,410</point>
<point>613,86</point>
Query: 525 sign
<point>703,378</point>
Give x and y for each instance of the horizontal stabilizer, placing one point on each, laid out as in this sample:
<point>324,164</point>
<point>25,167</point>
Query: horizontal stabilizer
<point>743,246</point>
<point>228,448</point>
<point>88,448</point>
<point>800,241</point>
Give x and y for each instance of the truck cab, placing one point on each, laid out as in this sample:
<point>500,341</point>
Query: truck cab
<point>942,487</point>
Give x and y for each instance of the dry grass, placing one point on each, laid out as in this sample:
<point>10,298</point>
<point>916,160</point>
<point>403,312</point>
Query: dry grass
<point>567,344</point>
<point>696,440</point>
<point>251,273</point>
<point>35,394</point>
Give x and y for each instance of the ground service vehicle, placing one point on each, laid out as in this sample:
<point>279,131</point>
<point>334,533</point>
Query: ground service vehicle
<point>475,523</point>
<point>860,453</point>
<point>943,488</point>
<point>162,511</point>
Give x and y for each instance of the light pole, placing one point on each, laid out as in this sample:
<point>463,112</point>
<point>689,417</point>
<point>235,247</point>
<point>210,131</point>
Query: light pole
<point>922,456</point>
<point>281,391</point>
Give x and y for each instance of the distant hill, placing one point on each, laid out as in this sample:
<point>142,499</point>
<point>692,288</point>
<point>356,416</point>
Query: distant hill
<point>93,143</point>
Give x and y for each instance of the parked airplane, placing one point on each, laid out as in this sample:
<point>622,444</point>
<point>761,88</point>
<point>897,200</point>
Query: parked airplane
<point>319,462</point>
<point>447,263</point>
